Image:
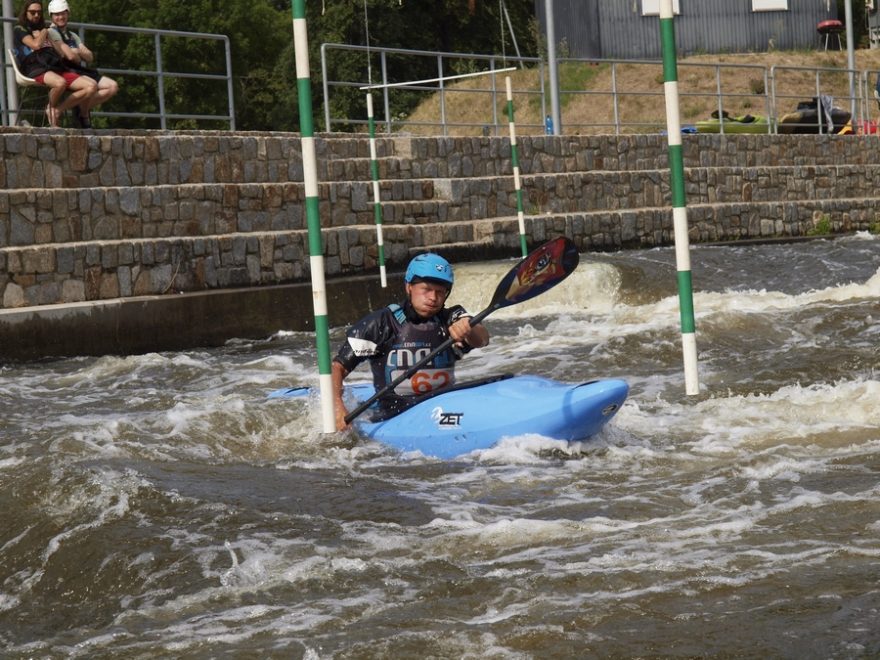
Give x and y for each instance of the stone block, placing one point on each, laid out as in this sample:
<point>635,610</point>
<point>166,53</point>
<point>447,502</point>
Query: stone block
<point>22,226</point>
<point>129,201</point>
<point>142,283</point>
<point>109,257</point>
<point>109,286</point>
<point>253,269</point>
<point>267,251</point>
<point>239,249</point>
<point>65,260</point>
<point>43,234</point>
<point>73,291</point>
<point>38,260</point>
<point>13,296</point>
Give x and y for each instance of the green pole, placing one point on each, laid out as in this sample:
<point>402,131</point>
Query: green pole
<point>514,159</point>
<point>313,219</point>
<point>377,198</point>
<point>679,208</point>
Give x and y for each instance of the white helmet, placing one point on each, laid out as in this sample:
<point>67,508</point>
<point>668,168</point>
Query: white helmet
<point>58,6</point>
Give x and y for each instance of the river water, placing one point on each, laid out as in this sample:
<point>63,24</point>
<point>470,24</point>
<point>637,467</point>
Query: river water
<point>158,506</point>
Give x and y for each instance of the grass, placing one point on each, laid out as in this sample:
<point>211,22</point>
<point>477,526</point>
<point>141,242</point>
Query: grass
<point>822,226</point>
<point>587,102</point>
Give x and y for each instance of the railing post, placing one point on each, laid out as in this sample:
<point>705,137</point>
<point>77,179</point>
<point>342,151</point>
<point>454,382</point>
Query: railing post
<point>385,100</point>
<point>543,90</point>
<point>326,87</point>
<point>768,109</point>
<point>615,98</point>
<point>720,102</point>
<point>231,101</point>
<point>494,97</point>
<point>160,80</point>
<point>4,108</point>
<point>11,90</point>
<point>442,95</point>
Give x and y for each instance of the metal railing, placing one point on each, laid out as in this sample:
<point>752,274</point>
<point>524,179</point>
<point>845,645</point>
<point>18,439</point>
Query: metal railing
<point>733,93</point>
<point>446,66</point>
<point>608,101</point>
<point>159,74</point>
<point>827,81</point>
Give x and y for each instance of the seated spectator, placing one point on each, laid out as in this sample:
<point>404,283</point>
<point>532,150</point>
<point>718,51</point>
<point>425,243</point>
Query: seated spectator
<point>75,53</point>
<point>37,59</point>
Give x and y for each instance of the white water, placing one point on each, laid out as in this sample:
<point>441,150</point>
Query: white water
<point>159,506</point>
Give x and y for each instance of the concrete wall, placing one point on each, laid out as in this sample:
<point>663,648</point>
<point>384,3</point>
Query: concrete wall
<point>147,215</point>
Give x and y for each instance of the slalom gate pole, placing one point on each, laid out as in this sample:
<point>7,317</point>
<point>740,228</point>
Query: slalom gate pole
<point>377,198</point>
<point>313,219</point>
<point>514,160</point>
<point>679,208</point>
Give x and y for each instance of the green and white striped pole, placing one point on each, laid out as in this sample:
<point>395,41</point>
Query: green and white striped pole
<point>313,219</point>
<point>377,198</point>
<point>514,159</point>
<point>679,208</point>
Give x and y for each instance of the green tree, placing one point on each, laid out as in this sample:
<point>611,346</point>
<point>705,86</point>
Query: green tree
<point>262,53</point>
<point>258,32</point>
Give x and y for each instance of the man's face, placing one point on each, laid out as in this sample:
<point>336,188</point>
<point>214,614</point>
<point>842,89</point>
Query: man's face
<point>427,298</point>
<point>35,15</point>
<point>60,19</point>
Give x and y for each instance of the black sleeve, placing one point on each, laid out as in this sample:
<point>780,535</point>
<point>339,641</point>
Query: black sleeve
<point>366,338</point>
<point>18,33</point>
<point>452,315</point>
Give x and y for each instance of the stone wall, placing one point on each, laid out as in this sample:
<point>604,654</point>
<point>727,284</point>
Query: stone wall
<point>105,216</point>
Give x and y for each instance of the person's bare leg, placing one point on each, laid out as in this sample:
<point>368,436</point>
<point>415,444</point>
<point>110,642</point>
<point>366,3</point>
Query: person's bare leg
<point>56,85</point>
<point>107,88</point>
<point>81,90</point>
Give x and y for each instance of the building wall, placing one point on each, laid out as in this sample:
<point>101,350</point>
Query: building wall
<point>616,29</point>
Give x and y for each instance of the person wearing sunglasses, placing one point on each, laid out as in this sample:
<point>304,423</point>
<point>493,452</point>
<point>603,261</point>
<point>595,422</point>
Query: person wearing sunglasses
<point>78,56</point>
<point>38,59</point>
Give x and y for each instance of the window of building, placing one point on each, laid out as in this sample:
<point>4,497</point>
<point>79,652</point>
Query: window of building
<point>652,7</point>
<point>769,5</point>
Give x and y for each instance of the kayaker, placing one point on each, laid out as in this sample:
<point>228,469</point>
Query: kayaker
<point>397,336</point>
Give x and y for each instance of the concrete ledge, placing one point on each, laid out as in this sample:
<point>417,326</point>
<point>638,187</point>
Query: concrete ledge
<point>166,323</point>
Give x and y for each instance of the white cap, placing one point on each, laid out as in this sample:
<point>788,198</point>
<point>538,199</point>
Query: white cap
<point>58,6</point>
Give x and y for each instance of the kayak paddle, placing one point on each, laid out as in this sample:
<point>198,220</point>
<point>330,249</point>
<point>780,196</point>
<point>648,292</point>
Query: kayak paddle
<point>540,270</point>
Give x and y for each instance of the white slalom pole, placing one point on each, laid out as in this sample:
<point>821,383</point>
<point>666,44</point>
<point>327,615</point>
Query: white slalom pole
<point>313,218</point>
<point>514,159</point>
<point>377,198</point>
<point>679,208</point>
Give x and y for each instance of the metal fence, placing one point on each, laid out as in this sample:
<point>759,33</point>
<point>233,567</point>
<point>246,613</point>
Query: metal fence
<point>714,96</point>
<point>160,112</point>
<point>446,65</point>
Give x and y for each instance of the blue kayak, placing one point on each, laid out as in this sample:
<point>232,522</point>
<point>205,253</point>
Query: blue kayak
<point>477,415</point>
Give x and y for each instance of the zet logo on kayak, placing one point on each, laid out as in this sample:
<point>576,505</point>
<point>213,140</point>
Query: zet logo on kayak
<point>446,419</point>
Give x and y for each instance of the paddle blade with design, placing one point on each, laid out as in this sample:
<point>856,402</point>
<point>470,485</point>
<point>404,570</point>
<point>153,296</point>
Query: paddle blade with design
<point>540,270</point>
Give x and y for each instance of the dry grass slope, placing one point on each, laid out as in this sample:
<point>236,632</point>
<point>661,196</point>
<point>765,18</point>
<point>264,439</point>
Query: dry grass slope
<point>586,99</point>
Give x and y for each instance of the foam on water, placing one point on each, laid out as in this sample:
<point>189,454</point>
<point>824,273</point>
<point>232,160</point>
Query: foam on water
<point>191,516</point>
<point>591,288</point>
<point>794,411</point>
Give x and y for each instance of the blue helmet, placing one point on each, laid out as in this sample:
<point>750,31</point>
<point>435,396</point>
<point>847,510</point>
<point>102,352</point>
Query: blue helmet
<point>429,267</point>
